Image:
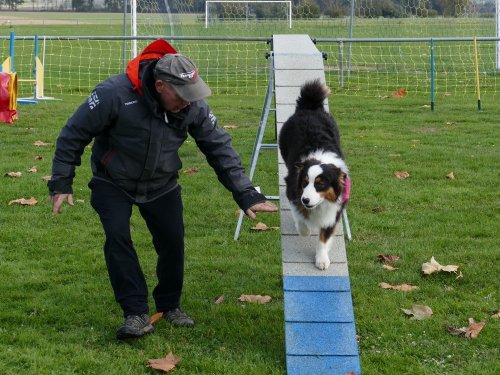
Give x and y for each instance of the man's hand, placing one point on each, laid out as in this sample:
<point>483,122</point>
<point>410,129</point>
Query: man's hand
<point>261,207</point>
<point>57,201</point>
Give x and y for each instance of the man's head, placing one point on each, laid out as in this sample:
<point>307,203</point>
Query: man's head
<point>181,75</point>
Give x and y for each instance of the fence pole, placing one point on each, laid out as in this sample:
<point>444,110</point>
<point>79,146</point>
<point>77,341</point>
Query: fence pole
<point>341,64</point>
<point>432,74</point>
<point>476,65</point>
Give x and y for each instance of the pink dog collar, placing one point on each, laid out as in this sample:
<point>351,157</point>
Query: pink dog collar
<point>347,190</point>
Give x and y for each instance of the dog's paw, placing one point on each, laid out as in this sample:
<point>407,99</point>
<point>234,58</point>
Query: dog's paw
<point>322,262</point>
<point>303,229</point>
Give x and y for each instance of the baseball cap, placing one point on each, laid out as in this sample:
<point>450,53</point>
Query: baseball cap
<point>181,73</point>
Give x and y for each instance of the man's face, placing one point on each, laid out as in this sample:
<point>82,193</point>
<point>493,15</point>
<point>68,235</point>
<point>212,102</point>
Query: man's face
<point>168,97</point>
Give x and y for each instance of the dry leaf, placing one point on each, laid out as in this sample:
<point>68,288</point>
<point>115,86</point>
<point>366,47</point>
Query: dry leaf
<point>164,364</point>
<point>219,300</point>
<point>24,202</point>
<point>192,170</point>
<point>448,288</point>
<point>402,175</point>
<point>496,315</point>
<point>460,276</point>
<point>470,332</point>
<point>263,227</point>
<point>38,157</point>
<point>450,176</point>
<point>378,209</point>
<point>433,266</point>
<point>394,155</point>
<point>154,318</point>
<point>33,169</point>
<point>402,287</point>
<point>80,200</point>
<point>389,267</point>
<point>46,178</point>
<point>450,123</point>
<point>387,258</point>
<point>255,298</point>
<point>419,312</point>
<point>41,144</point>
<point>13,174</point>
<point>230,126</point>
<point>399,93</point>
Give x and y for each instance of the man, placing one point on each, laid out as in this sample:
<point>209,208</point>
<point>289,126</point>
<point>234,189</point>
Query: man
<point>138,121</point>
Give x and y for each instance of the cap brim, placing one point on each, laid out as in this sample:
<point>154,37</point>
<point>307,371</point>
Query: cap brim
<point>193,92</point>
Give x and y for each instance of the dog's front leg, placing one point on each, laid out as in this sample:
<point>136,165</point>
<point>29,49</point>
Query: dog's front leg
<point>324,245</point>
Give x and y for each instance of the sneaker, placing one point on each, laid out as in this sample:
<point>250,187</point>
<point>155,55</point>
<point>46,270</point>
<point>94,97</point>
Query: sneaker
<point>134,326</point>
<point>178,318</point>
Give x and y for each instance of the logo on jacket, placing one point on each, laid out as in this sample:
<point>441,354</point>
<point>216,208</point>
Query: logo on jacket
<point>212,118</point>
<point>93,100</point>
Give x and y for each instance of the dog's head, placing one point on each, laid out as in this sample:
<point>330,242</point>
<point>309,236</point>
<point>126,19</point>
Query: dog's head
<point>319,182</point>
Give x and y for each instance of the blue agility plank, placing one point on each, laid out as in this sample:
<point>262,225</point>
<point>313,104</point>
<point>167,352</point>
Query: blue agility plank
<point>317,284</point>
<point>325,365</point>
<point>318,307</point>
<point>320,339</point>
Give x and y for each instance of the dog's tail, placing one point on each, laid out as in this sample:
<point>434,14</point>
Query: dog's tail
<point>312,95</point>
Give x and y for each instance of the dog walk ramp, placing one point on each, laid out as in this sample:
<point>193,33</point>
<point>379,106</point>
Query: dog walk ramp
<point>320,331</point>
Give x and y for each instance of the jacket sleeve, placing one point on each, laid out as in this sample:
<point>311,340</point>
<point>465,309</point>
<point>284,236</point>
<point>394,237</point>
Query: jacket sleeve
<point>215,143</point>
<point>90,119</point>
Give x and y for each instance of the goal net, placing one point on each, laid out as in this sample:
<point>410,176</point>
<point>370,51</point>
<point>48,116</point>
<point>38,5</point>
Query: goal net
<point>245,13</point>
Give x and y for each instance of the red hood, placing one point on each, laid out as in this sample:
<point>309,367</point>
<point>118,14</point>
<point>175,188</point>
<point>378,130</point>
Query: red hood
<point>153,51</point>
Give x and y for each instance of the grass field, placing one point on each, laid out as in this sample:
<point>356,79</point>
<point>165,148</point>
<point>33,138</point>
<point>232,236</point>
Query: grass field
<point>57,313</point>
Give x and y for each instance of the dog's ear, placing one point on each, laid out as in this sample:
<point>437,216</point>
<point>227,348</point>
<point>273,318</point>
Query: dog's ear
<point>299,166</point>
<point>342,177</point>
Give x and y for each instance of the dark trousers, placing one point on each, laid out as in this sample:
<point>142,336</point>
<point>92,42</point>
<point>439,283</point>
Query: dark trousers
<point>163,217</point>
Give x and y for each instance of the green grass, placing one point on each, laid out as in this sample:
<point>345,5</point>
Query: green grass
<point>58,315</point>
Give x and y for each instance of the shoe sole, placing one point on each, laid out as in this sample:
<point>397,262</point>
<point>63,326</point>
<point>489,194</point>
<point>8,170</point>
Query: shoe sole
<point>123,334</point>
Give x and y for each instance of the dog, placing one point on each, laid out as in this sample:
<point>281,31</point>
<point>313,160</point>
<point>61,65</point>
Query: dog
<point>317,184</point>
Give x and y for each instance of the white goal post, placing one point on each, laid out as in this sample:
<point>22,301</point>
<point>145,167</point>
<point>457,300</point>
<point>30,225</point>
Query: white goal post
<point>288,2</point>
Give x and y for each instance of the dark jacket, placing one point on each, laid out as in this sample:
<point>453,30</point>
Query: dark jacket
<point>136,143</point>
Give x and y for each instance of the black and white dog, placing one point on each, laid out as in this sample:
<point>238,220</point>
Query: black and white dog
<point>317,184</point>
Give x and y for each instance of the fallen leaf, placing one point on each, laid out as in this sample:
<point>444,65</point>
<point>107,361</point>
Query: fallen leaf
<point>496,315</point>
<point>192,170</point>
<point>38,157</point>
<point>230,126</point>
<point>402,287</point>
<point>394,155</point>
<point>41,144</point>
<point>450,176</point>
<point>433,266</point>
<point>155,317</point>
<point>263,227</point>
<point>470,332</point>
<point>460,276</point>
<point>13,174</point>
<point>80,200</point>
<point>419,312</point>
<point>402,175</point>
<point>387,258</point>
<point>219,300</point>
<point>164,364</point>
<point>450,123</point>
<point>24,202</point>
<point>389,267</point>
<point>46,178</point>
<point>255,298</point>
<point>448,288</point>
<point>378,209</point>
<point>33,169</point>
<point>425,106</point>
<point>399,93</point>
